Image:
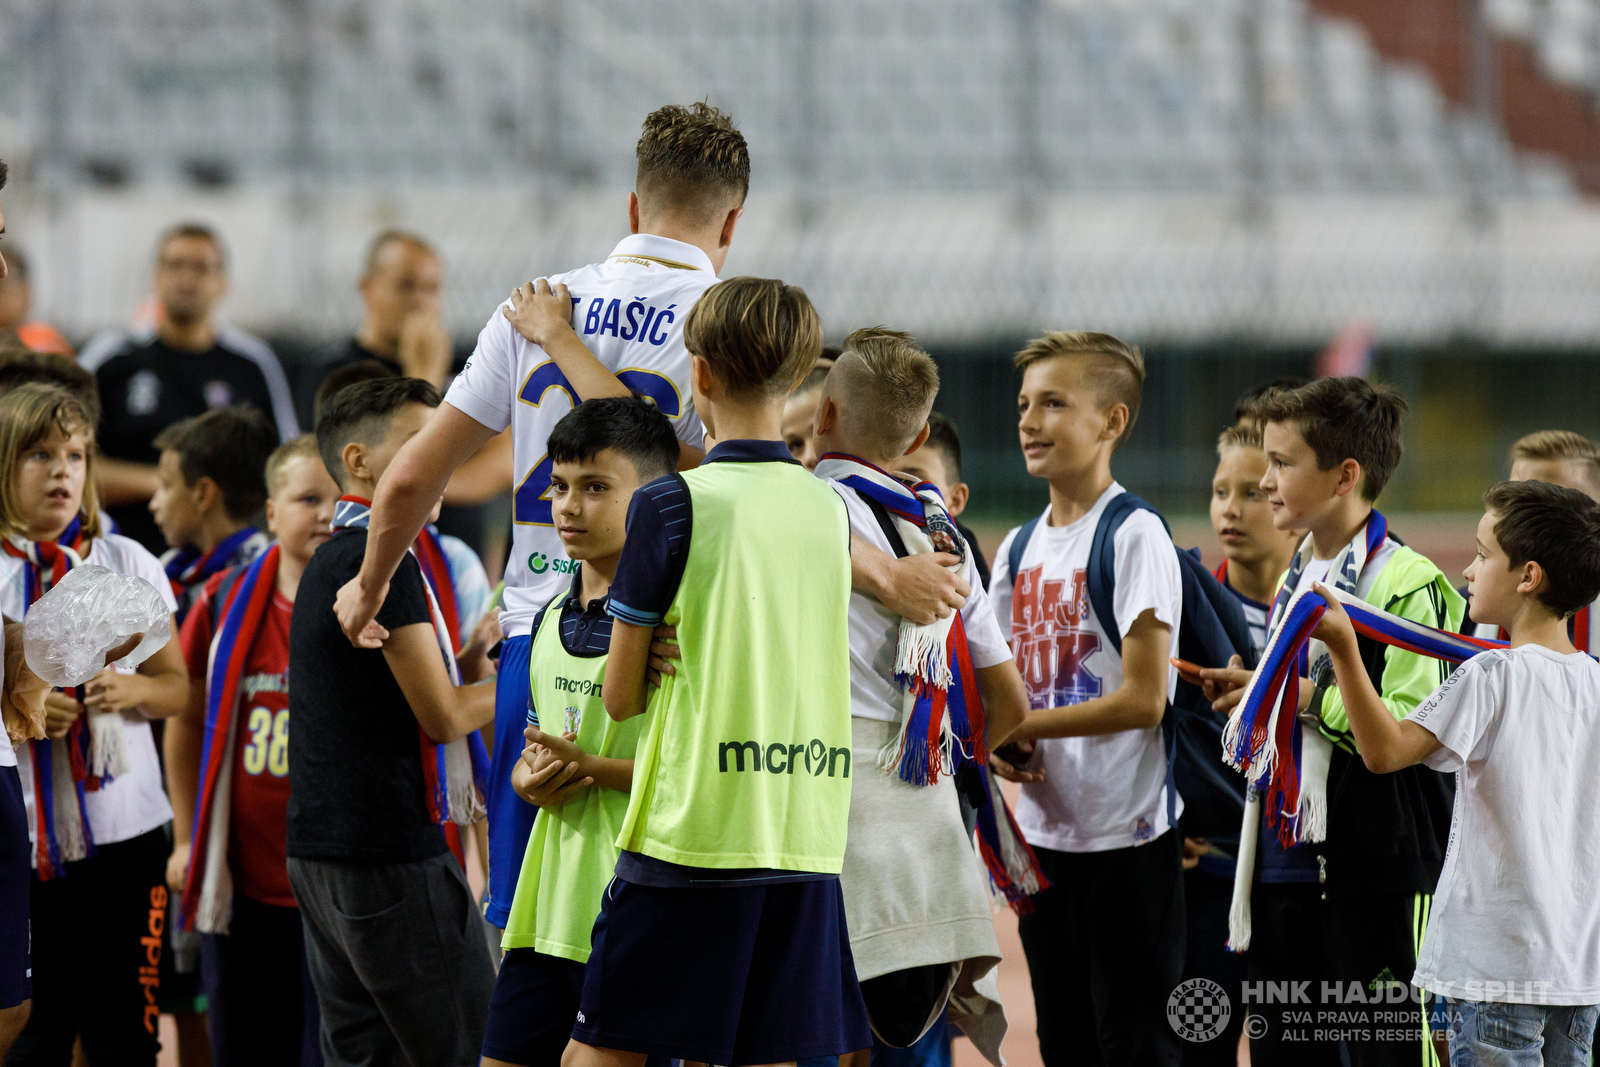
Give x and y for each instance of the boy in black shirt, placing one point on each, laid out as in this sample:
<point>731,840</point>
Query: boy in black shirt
<point>367,859</point>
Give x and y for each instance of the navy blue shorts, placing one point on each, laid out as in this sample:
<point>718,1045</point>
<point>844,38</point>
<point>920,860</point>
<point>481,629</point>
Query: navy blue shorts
<point>732,975</point>
<point>530,1014</point>
<point>16,872</point>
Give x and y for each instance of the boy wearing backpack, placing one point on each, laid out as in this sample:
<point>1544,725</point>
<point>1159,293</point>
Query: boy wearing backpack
<point>1349,909</point>
<point>1105,943</point>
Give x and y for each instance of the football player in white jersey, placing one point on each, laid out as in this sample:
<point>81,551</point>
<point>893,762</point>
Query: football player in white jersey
<point>625,335</point>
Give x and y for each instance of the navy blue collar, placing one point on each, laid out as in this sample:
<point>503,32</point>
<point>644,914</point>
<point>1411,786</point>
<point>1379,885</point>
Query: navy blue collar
<point>575,596</point>
<point>750,452</point>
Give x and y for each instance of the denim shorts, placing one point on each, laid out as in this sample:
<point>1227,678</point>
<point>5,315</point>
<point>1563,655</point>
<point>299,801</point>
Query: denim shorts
<point>1492,1034</point>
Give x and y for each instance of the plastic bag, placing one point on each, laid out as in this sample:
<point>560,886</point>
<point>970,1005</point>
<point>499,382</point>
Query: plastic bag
<point>69,630</point>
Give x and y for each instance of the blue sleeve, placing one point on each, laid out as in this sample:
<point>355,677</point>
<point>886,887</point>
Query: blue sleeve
<point>651,565</point>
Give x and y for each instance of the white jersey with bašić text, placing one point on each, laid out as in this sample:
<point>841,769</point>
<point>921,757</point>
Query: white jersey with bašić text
<point>629,311</point>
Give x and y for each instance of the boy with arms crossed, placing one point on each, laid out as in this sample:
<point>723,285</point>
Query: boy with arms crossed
<point>578,765</point>
<point>1349,907</point>
<point>372,799</point>
<point>1105,943</point>
<point>238,893</point>
<point>741,789</point>
<point>921,930</point>
<point>1512,936</point>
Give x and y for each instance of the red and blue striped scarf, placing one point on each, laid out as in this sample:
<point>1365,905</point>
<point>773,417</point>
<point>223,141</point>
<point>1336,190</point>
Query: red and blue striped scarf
<point>63,769</point>
<point>455,775</point>
<point>190,567</point>
<point>942,719</point>
<point>207,898</point>
<point>1258,742</point>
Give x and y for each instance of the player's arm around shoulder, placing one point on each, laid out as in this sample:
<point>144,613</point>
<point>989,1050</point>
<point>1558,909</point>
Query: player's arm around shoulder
<point>446,712</point>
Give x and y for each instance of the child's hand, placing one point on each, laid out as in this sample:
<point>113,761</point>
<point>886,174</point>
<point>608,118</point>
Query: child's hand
<point>178,867</point>
<point>538,312</point>
<point>545,780</point>
<point>562,746</point>
<point>663,647</point>
<point>60,712</point>
<point>1193,849</point>
<point>1010,769</point>
<point>110,691</point>
<point>1335,629</point>
<point>924,588</point>
<point>1224,686</point>
<point>474,662</point>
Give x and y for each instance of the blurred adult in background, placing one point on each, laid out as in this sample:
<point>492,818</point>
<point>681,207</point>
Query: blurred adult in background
<point>188,364</point>
<point>401,325</point>
<point>16,297</point>
<point>401,329</point>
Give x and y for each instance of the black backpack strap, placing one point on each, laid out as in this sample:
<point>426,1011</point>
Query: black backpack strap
<point>886,524</point>
<point>1102,571</point>
<point>1019,545</point>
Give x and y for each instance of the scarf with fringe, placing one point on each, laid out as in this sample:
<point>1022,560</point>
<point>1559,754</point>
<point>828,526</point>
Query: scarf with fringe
<point>456,775</point>
<point>94,750</point>
<point>207,900</point>
<point>942,726</point>
<point>1256,743</point>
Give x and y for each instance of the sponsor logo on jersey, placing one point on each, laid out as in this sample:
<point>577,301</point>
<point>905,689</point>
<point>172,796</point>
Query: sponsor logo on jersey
<point>780,758</point>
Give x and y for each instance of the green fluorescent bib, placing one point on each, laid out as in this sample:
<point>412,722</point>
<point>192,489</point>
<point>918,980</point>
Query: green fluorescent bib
<point>746,760</point>
<point>571,851</point>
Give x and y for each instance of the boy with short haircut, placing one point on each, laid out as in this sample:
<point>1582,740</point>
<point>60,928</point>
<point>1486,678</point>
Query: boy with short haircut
<point>376,803</point>
<point>800,416</point>
<point>578,764</point>
<point>1569,459</point>
<point>235,804</point>
<point>938,460</point>
<point>1511,939</point>
<point>748,556</point>
<point>1346,908</point>
<point>921,931</point>
<point>211,490</point>
<point>1098,821</point>
<point>1255,554</point>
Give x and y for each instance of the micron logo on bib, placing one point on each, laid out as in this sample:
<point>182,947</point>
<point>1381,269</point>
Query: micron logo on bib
<point>780,758</point>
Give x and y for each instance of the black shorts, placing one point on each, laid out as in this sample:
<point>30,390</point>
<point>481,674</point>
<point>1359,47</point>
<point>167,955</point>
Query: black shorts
<point>530,1015</point>
<point>732,975</point>
<point>16,969</point>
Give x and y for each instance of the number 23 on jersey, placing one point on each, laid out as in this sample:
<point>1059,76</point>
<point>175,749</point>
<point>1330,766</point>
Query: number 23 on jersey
<point>531,504</point>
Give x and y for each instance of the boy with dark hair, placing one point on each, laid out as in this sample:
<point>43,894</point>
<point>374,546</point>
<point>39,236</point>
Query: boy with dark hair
<point>347,374</point>
<point>381,771</point>
<point>800,416</point>
<point>211,490</point>
<point>234,804</point>
<point>719,835</point>
<point>1346,902</point>
<point>1105,943</point>
<point>577,767</point>
<point>1511,940</point>
<point>938,460</point>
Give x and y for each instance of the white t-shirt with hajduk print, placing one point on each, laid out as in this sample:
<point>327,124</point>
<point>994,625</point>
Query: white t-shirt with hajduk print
<point>1107,791</point>
<point>1516,916</point>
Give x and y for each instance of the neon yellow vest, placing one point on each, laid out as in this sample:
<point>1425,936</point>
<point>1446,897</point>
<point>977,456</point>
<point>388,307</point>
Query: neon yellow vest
<point>746,762</point>
<point>571,851</point>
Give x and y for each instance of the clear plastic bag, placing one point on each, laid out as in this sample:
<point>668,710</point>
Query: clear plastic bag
<point>69,630</point>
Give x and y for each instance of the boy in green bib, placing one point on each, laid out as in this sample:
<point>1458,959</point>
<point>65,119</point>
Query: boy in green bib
<point>578,765</point>
<point>722,937</point>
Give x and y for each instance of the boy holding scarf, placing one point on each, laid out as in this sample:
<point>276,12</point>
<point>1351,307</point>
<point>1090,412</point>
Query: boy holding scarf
<point>237,892</point>
<point>210,492</point>
<point>384,761</point>
<point>1348,860</point>
<point>925,701</point>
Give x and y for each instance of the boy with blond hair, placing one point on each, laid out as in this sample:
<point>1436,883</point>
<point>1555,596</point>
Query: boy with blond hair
<point>1348,903</point>
<point>920,926</point>
<point>238,894</point>
<point>1105,943</point>
<point>741,784</point>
